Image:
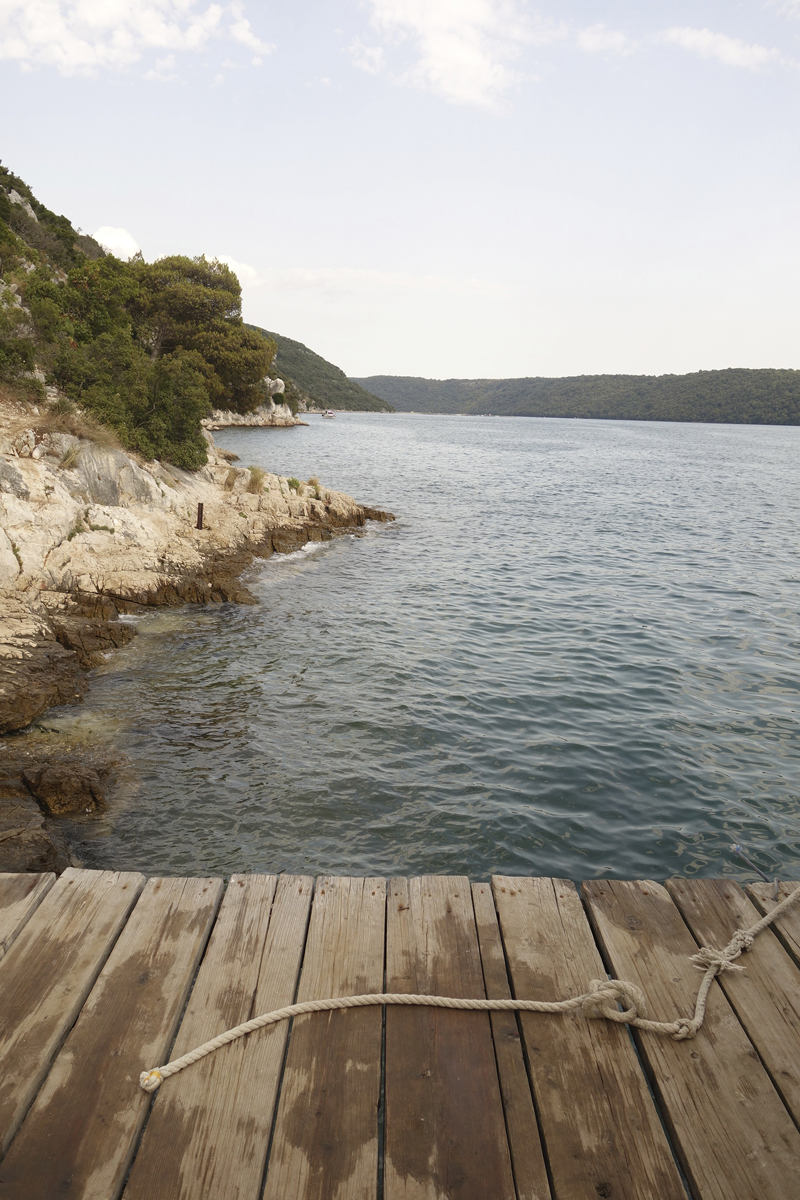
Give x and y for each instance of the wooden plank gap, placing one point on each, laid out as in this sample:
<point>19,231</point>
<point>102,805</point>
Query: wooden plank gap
<point>445,1128</point>
<point>644,1065</point>
<point>209,1129</point>
<point>47,974</point>
<point>20,896</point>
<point>765,994</point>
<point>523,1131</point>
<point>325,1141</point>
<point>603,1136</point>
<point>735,1139</point>
<point>786,928</point>
<point>78,1139</point>
<point>282,1070</point>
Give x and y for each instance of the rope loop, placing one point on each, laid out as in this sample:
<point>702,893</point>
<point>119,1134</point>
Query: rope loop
<point>605,993</point>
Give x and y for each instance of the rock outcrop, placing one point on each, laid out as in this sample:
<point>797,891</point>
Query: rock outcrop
<point>89,533</point>
<point>274,412</point>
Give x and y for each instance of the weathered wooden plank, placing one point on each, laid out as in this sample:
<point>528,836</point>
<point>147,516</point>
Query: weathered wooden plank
<point>48,973</point>
<point>787,928</point>
<point>527,1159</point>
<point>735,1139</point>
<point>78,1139</point>
<point>765,995</point>
<point>209,1130</point>
<point>325,1144</point>
<point>445,1132</point>
<point>20,896</point>
<point>602,1133</point>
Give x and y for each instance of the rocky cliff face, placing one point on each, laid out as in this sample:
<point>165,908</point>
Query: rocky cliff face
<point>89,533</point>
<point>266,415</point>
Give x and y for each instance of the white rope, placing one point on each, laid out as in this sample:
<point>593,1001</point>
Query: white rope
<point>599,1001</point>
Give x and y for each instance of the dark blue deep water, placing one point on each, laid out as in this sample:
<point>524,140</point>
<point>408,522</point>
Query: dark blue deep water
<point>575,653</point>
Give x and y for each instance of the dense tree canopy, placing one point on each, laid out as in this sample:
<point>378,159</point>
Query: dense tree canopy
<point>148,348</point>
<point>732,396</point>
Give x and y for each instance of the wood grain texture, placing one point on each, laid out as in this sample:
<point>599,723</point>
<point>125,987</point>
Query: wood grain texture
<point>602,1133</point>
<point>78,1139</point>
<point>48,973</point>
<point>325,1145</point>
<point>445,1132</point>
<point>209,1130</point>
<point>527,1159</point>
<point>787,928</point>
<point>765,995</point>
<point>735,1139</point>
<point>20,896</point>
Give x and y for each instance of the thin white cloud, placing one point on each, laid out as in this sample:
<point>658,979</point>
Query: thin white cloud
<point>368,58</point>
<point>117,241</point>
<point>463,48</point>
<point>789,8</point>
<point>164,70</point>
<point>596,39</point>
<point>241,31</point>
<point>728,50</point>
<point>84,36</point>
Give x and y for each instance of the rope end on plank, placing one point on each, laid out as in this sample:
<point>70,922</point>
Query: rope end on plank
<point>149,1080</point>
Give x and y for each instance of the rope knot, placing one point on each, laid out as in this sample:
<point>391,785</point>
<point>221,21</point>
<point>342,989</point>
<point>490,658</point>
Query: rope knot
<point>149,1080</point>
<point>684,1028</point>
<point>716,960</point>
<point>604,994</point>
<point>740,943</point>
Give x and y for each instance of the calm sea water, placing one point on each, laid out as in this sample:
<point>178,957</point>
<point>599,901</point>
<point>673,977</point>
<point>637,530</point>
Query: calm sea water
<point>575,653</point>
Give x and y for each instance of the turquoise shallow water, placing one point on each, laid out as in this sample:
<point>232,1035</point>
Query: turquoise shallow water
<point>575,653</point>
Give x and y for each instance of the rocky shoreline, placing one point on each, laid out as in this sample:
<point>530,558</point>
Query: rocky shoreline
<point>270,415</point>
<point>89,534</point>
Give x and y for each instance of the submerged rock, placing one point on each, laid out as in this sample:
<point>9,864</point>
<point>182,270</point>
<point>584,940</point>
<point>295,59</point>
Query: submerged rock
<point>66,788</point>
<point>26,842</point>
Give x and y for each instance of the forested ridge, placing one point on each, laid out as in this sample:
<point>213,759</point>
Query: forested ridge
<point>318,381</point>
<point>734,396</point>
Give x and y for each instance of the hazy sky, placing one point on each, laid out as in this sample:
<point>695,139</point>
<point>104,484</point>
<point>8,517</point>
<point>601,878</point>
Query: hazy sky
<point>439,187</point>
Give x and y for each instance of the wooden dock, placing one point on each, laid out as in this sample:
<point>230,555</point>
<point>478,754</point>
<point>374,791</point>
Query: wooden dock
<point>105,974</point>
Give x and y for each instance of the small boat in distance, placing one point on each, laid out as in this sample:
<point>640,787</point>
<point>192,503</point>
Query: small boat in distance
<point>329,413</point>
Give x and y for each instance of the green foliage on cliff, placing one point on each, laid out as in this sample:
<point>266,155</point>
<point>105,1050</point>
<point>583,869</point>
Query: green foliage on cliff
<point>735,396</point>
<point>146,348</point>
<point>318,380</point>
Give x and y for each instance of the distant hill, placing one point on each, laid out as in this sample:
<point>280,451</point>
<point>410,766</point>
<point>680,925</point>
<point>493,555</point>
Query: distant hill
<point>318,380</point>
<point>735,396</point>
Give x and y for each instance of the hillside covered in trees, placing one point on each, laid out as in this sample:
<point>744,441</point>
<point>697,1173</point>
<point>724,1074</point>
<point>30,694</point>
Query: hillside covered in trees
<point>145,349</point>
<point>318,381</point>
<point>735,396</point>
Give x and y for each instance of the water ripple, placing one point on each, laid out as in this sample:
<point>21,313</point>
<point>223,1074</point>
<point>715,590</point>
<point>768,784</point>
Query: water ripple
<point>576,653</point>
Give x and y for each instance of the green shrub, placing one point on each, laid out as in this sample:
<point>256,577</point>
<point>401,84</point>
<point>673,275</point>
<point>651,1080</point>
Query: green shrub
<point>294,484</point>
